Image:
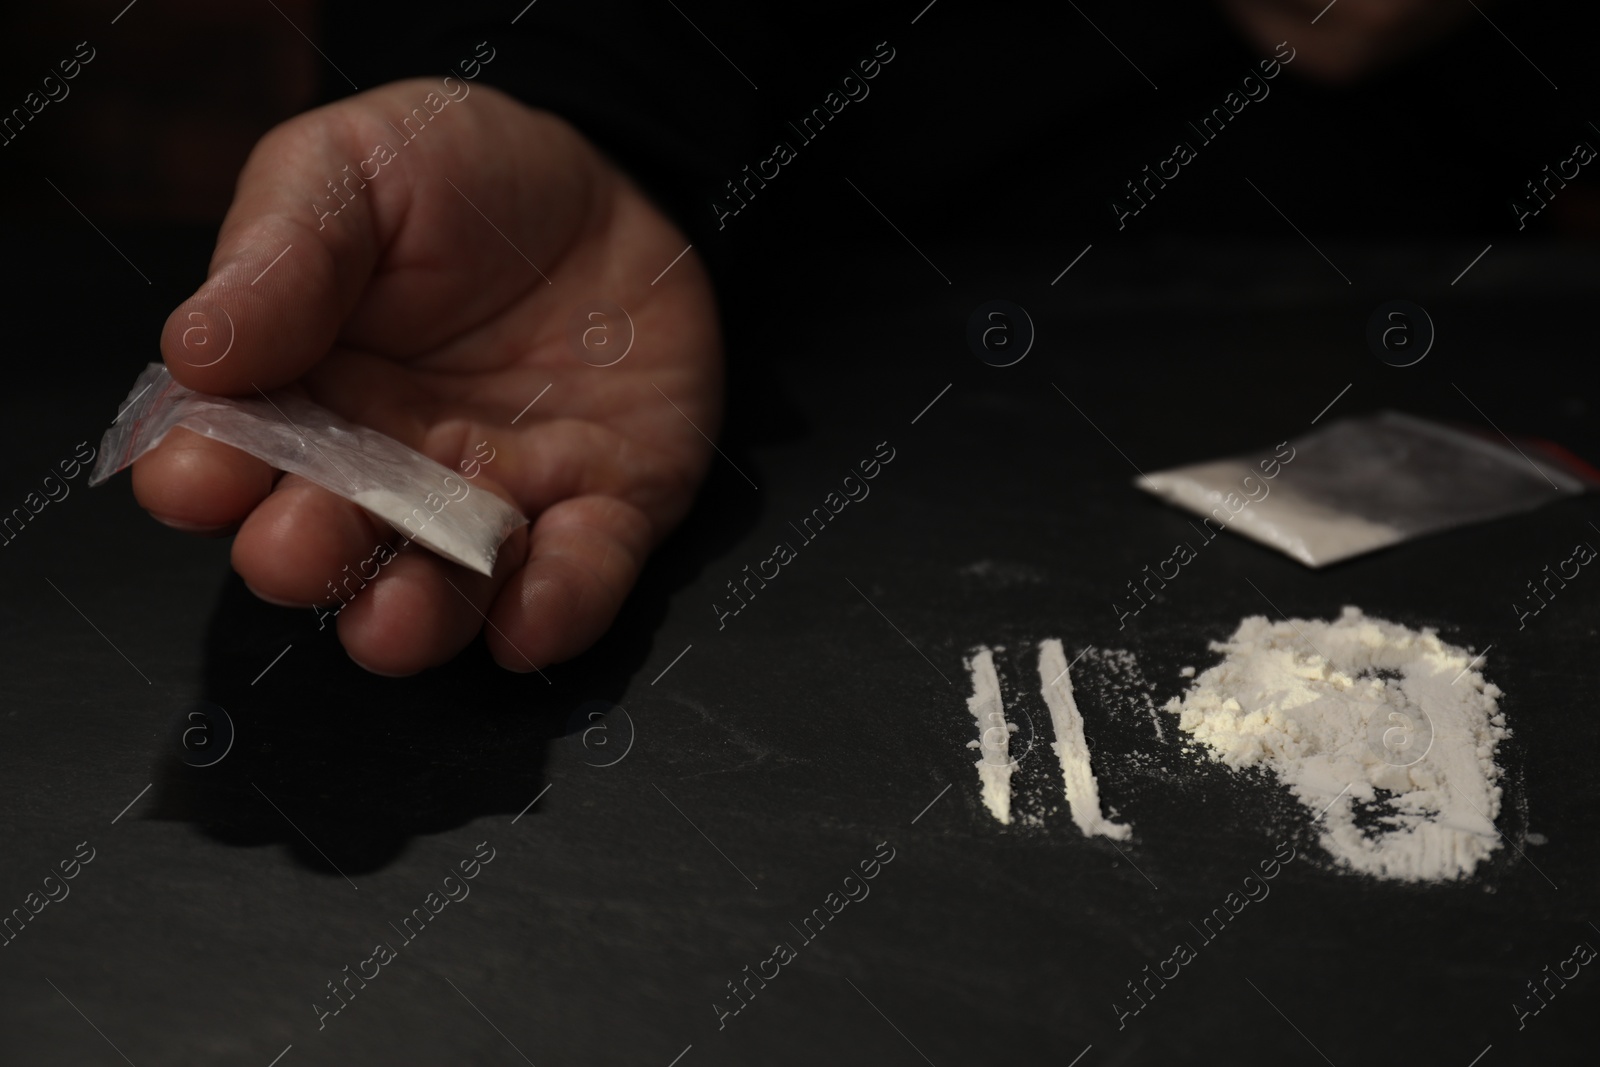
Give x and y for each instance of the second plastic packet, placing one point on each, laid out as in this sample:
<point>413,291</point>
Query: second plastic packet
<point>1363,483</point>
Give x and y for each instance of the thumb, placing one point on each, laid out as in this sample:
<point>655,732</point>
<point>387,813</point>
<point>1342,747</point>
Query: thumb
<point>292,260</point>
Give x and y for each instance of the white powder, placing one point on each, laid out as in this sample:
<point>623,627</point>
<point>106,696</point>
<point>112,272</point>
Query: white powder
<point>1123,683</point>
<point>1292,523</point>
<point>1083,792</point>
<point>994,735</point>
<point>439,534</point>
<point>1359,710</point>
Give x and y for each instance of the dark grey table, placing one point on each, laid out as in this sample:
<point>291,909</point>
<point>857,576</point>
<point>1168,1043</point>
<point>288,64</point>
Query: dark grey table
<point>666,810</point>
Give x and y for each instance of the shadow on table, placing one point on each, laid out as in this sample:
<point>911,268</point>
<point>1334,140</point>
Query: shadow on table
<point>345,767</point>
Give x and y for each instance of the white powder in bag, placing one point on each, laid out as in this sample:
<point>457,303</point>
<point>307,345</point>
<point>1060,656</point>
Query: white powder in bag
<point>425,526</point>
<point>1362,716</point>
<point>1290,522</point>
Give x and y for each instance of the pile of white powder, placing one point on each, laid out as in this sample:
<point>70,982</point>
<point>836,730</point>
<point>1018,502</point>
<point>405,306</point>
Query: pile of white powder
<point>1362,714</point>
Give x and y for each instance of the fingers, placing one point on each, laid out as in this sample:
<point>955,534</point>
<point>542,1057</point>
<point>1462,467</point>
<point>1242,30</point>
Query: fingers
<point>421,610</point>
<point>199,485</point>
<point>402,609</point>
<point>283,278</point>
<point>399,608</point>
<point>555,589</point>
<point>329,194</point>
<point>553,593</point>
<point>302,543</point>
<point>583,557</point>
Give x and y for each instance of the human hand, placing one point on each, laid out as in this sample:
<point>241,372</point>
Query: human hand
<point>1350,38</point>
<point>417,309</point>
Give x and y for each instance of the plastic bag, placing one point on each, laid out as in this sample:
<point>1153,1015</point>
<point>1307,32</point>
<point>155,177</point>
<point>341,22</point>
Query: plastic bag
<point>1362,483</point>
<point>421,499</point>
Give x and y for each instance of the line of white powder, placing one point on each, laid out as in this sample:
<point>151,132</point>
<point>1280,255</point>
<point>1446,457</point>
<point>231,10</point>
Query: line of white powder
<point>1083,792</point>
<point>994,735</point>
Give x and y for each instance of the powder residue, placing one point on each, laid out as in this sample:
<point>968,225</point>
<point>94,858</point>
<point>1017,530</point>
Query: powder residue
<point>994,735</point>
<point>1360,716</point>
<point>1125,683</point>
<point>1083,792</point>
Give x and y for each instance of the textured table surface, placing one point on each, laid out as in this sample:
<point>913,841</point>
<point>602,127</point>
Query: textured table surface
<point>739,772</point>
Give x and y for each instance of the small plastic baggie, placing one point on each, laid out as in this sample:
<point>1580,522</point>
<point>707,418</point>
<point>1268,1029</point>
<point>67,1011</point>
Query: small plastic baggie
<point>423,500</point>
<point>1363,483</point>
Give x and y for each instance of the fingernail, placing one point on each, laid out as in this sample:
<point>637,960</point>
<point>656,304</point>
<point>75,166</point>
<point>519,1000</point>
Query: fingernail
<point>274,600</point>
<point>193,528</point>
<point>372,670</point>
